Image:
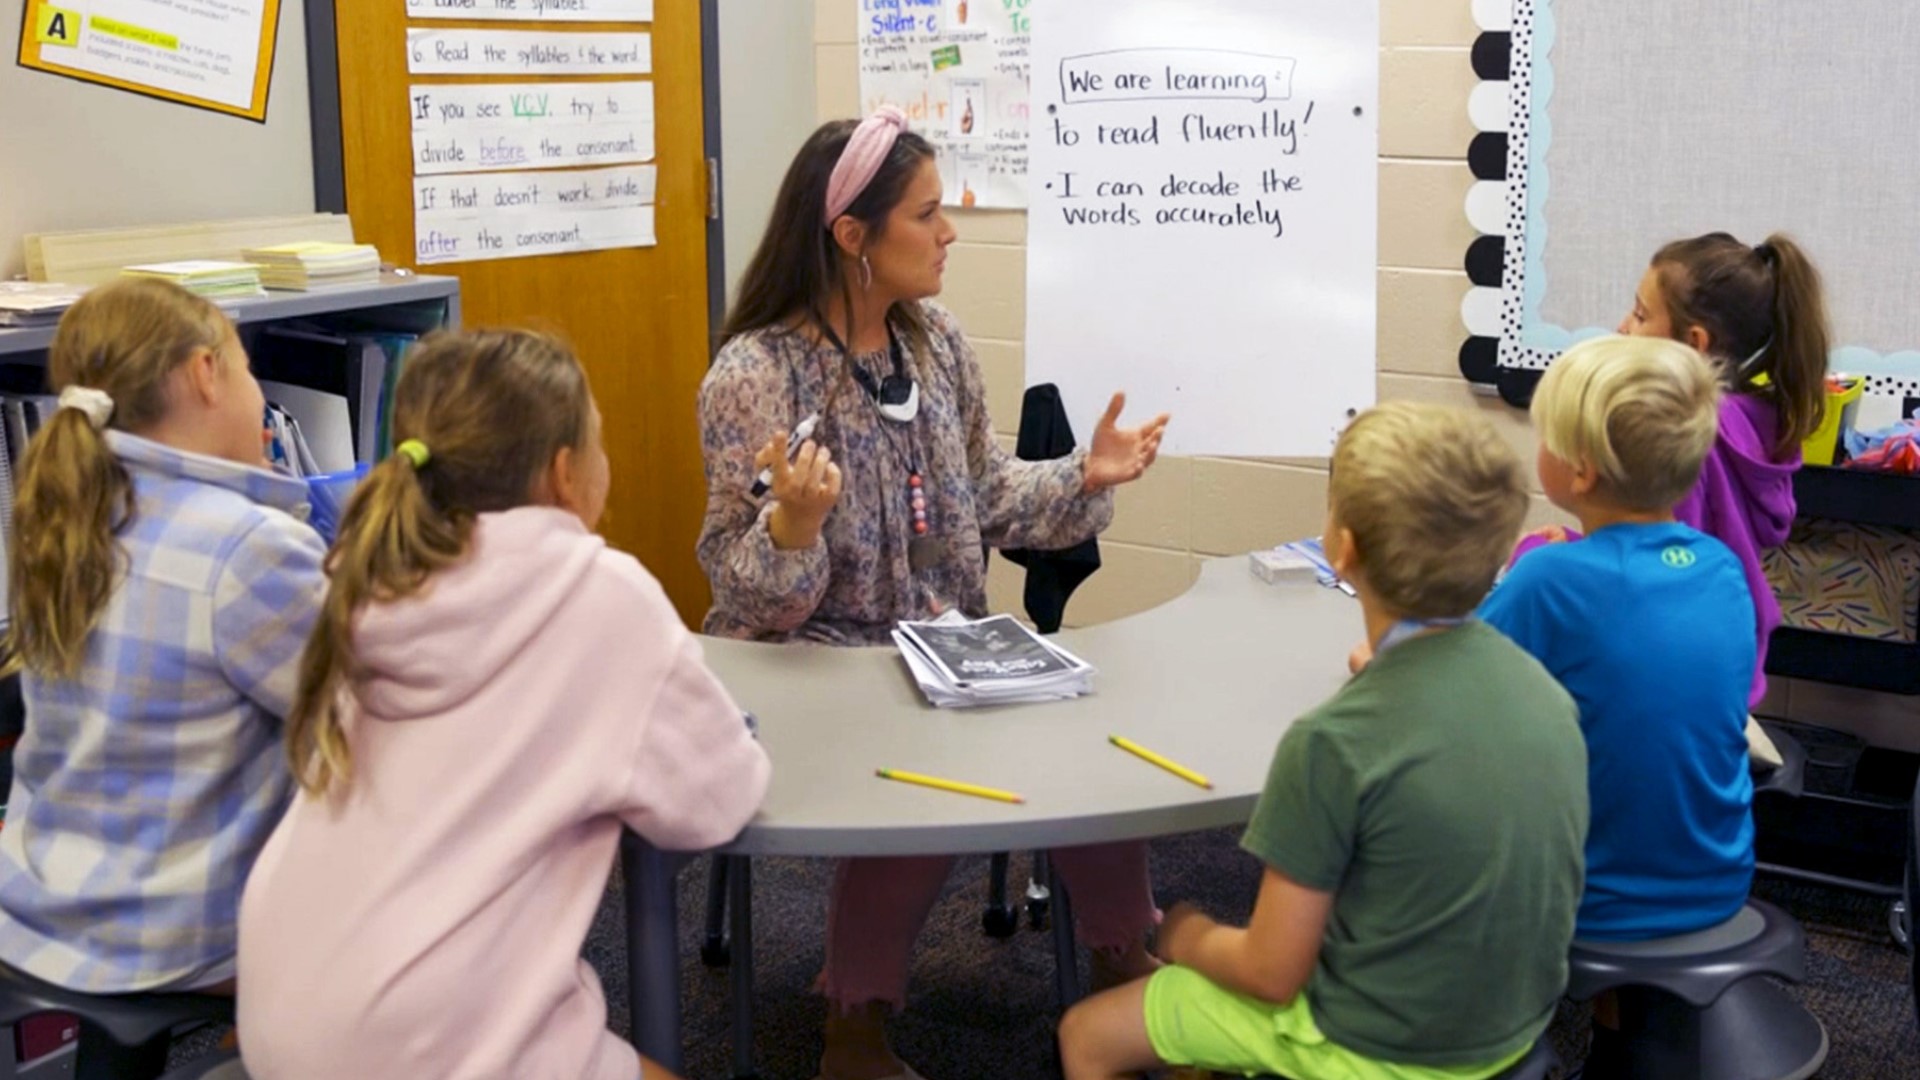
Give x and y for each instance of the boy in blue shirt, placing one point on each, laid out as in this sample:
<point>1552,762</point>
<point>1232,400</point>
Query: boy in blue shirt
<point>1649,625</point>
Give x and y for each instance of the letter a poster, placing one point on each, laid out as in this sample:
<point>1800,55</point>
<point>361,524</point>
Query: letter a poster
<point>214,54</point>
<point>958,69</point>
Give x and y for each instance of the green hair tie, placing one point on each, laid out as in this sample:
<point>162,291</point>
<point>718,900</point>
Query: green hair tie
<point>415,451</point>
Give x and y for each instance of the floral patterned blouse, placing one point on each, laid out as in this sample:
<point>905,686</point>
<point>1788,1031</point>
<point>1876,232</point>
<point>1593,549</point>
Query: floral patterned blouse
<point>855,582</point>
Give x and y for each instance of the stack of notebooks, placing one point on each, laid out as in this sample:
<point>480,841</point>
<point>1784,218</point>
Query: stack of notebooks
<point>315,265</point>
<point>36,303</point>
<point>994,661</point>
<point>215,279</point>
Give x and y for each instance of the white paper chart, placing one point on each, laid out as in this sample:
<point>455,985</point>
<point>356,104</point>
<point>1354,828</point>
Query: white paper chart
<point>477,126</point>
<point>534,10</point>
<point>527,52</point>
<point>508,215</point>
<point>958,69</point>
<point>1203,217</point>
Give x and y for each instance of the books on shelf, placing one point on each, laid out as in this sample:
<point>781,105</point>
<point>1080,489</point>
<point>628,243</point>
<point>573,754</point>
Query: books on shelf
<point>961,662</point>
<point>215,279</point>
<point>315,265</point>
<point>36,303</point>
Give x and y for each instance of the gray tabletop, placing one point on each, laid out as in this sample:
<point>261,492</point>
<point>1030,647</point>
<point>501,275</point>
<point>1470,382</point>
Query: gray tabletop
<point>1210,680</point>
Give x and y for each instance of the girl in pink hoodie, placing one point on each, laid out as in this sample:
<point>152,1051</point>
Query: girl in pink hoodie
<point>490,696</point>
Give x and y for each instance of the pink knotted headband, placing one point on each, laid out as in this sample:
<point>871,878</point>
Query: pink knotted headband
<point>867,149</point>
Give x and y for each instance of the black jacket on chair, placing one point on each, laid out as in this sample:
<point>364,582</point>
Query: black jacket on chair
<point>1051,575</point>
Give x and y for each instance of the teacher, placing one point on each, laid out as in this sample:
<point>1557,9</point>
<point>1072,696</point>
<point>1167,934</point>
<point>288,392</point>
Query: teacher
<point>884,510</point>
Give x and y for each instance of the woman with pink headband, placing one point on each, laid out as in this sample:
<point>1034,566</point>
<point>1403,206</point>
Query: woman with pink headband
<point>883,512</point>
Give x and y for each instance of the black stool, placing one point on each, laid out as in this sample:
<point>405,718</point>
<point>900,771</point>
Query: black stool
<point>1694,1007</point>
<point>1535,1066</point>
<point>122,1036</point>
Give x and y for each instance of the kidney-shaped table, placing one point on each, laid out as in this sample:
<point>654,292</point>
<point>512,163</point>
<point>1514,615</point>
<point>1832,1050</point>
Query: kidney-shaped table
<point>1210,679</point>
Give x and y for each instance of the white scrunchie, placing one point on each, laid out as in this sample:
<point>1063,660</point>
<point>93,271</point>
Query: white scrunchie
<point>95,404</point>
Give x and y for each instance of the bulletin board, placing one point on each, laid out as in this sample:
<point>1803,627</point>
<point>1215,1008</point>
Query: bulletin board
<point>1609,127</point>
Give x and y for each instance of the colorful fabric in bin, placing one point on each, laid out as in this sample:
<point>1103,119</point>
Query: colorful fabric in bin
<point>1893,449</point>
<point>1840,578</point>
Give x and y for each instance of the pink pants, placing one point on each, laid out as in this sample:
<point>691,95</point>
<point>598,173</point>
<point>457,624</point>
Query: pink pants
<point>879,905</point>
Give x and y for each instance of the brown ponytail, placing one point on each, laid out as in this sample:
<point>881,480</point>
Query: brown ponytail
<point>491,409</point>
<point>73,496</point>
<point>1801,342</point>
<point>1763,301</point>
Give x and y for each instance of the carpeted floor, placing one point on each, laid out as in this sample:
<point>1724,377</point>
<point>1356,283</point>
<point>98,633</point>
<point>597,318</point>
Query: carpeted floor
<point>981,1008</point>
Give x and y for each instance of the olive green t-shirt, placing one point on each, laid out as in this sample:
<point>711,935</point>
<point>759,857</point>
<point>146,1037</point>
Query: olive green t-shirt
<point>1441,796</point>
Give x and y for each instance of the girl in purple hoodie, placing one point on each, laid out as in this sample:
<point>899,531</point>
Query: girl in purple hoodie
<point>1760,313</point>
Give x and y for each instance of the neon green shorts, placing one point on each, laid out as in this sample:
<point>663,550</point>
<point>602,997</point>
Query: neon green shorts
<point>1193,1021</point>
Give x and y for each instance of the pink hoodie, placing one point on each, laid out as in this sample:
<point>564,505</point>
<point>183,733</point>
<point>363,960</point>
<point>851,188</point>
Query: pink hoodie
<point>425,921</point>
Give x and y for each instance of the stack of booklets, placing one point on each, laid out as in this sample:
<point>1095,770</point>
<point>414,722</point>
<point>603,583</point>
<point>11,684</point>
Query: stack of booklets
<point>215,279</point>
<point>994,661</point>
<point>315,265</point>
<point>36,303</point>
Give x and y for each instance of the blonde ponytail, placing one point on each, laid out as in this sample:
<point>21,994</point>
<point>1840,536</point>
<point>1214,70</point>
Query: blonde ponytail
<point>73,496</point>
<point>480,414</point>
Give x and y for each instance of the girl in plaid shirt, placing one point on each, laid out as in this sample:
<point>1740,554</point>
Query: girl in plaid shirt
<point>162,585</point>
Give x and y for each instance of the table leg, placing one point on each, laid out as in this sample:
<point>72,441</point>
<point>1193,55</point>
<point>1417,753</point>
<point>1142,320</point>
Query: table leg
<point>740,908</point>
<point>1066,957</point>
<point>653,951</point>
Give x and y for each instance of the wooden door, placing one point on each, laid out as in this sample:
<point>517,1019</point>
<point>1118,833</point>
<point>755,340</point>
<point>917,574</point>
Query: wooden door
<point>637,316</point>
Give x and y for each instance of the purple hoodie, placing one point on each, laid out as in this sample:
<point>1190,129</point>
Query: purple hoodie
<point>1745,500</point>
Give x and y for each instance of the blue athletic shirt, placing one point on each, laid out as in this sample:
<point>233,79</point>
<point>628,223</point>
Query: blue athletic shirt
<point>1651,629</point>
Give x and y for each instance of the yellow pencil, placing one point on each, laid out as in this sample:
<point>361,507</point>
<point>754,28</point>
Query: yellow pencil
<point>1147,755</point>
<point>954,786</point>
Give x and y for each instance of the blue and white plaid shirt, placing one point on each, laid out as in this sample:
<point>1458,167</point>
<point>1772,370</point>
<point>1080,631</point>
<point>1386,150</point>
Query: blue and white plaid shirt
<point>144,788</point>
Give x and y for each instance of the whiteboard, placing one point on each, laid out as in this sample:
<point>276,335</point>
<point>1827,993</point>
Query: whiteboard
<point>1635,122</point>
<point>1203,210</point>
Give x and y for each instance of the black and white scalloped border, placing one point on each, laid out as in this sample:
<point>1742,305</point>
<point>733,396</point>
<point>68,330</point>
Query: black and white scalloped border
<point>1489,314</point>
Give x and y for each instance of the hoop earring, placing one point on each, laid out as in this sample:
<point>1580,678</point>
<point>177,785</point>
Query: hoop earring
<point>866,273</point>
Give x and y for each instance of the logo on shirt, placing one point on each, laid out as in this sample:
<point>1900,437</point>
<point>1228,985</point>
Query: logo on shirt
<point>1677,557</point>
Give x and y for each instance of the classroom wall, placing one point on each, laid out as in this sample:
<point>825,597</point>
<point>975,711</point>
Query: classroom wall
<point>75,155</point>
<point>1191,509</point>
<point>766,112</point>
<point>1188,510</point>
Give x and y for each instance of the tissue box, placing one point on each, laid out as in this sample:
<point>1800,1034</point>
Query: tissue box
<point>1280,564</point>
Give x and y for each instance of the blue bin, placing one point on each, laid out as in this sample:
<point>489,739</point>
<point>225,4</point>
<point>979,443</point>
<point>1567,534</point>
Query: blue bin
<point>328,496</point>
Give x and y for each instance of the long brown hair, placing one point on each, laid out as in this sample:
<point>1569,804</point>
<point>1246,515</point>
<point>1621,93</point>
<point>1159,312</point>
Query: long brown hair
<point>73,496</point>
<point>492,408</point>
<point>1761,302</point>
<point>797,271</point>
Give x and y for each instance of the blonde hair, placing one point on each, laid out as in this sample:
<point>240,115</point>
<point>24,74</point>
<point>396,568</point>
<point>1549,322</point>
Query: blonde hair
<point>1643,411</point>
<point>1434,500</point>
<point>73,496</point>
<point>492,409</point>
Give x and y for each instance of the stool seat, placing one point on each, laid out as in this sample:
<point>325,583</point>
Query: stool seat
<point>1540,1061</point>
<point>1693,1006</point>
<point>130,1019</point>
<point>122,1036</point>
<point>1697,968</point>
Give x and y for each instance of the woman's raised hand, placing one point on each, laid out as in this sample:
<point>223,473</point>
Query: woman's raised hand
<point>1120,455</point>
<point>804,491</point>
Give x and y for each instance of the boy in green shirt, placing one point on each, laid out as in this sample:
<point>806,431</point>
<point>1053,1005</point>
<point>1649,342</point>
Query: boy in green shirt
<point>1422,829</point>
